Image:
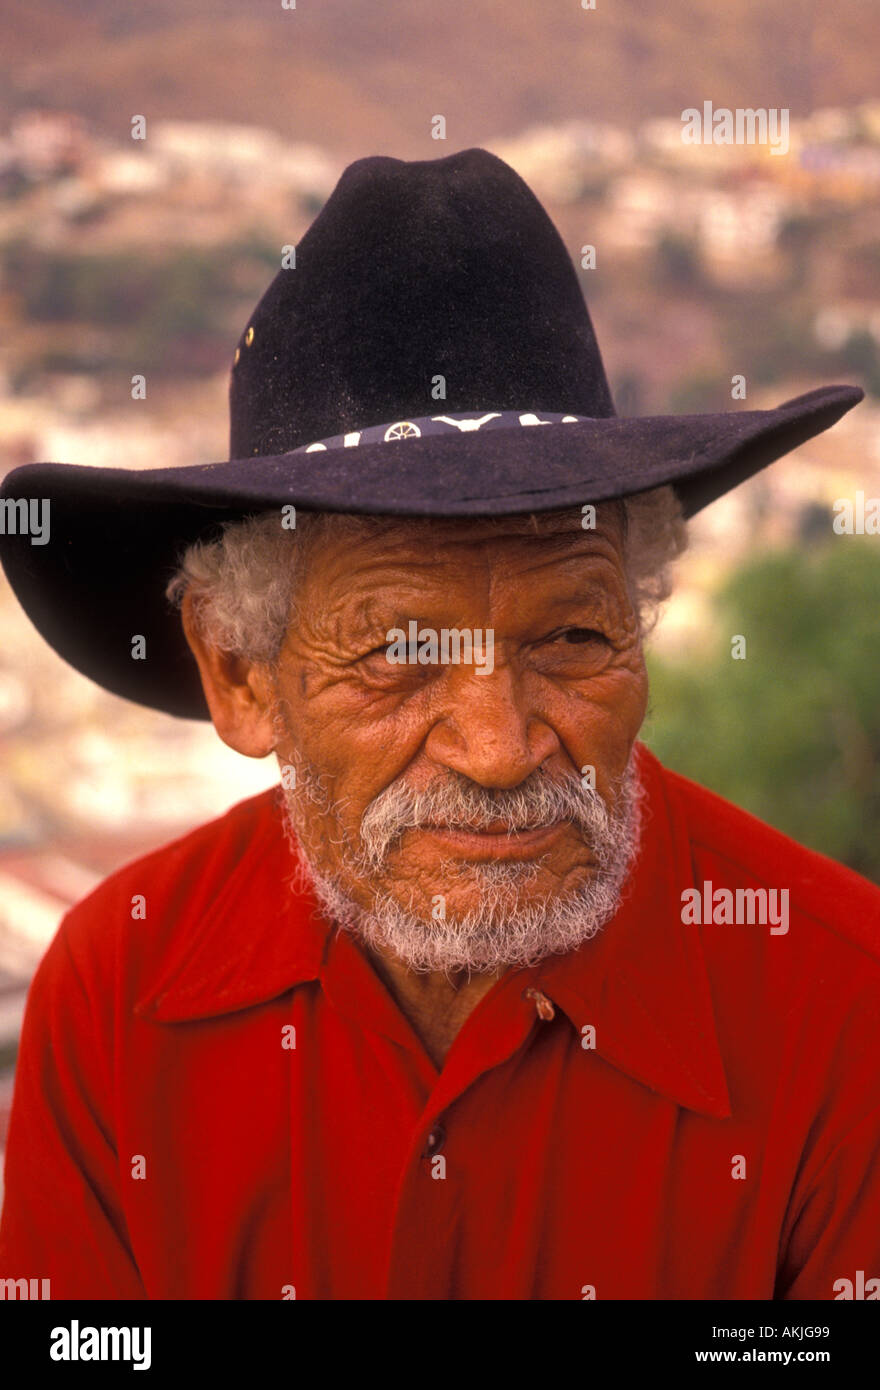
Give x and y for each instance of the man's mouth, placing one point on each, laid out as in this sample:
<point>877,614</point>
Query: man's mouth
<point>497,840</point>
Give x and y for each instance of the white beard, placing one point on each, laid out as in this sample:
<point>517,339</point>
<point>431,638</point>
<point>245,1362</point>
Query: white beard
<point>511,926</point>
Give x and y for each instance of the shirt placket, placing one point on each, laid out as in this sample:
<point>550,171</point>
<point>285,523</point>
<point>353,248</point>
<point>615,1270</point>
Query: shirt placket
<point>443,1158</point>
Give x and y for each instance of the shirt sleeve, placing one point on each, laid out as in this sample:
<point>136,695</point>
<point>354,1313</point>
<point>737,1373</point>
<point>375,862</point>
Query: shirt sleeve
<point>62,1215</point>
<point>835,1236</point>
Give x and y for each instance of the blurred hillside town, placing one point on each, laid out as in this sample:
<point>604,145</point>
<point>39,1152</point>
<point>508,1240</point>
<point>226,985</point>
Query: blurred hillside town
<point>146,257</point>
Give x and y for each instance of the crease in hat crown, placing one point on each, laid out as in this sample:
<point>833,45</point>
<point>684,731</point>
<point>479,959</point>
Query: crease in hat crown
<point>414,270</point>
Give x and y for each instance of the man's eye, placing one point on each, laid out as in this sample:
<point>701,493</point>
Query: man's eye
<point>378,659</point>
<point>412,652</point>
<point>579,635</point>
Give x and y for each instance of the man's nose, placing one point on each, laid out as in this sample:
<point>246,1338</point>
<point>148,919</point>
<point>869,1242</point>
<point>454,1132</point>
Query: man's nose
<point>489,731</point>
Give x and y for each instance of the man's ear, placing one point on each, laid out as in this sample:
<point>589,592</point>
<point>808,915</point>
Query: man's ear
<point>238,692</point>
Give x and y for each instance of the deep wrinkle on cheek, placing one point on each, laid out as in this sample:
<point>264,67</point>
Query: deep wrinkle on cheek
<point>351,724</point>
<point>605,711</point>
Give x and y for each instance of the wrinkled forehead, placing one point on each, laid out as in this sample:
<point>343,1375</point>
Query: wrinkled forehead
<point>566,531</point>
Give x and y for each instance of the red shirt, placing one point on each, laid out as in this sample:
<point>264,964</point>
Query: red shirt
<point>168,1140</point>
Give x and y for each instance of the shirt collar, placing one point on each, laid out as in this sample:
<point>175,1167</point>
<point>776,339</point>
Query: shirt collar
<point>257,937</point>
<point>641,982</point>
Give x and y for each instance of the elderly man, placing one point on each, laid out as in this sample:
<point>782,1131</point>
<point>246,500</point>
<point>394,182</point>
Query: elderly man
<point>482,1002</point>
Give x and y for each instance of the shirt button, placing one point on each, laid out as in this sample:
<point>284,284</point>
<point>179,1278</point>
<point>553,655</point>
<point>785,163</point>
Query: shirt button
<point>435,1141</point>
<point>543,1006</point>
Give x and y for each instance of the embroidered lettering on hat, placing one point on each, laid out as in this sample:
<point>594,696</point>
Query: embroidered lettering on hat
<point>439,424</point>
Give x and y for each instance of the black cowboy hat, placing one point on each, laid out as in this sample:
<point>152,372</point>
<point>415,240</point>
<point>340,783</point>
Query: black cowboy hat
<point>427,352</point>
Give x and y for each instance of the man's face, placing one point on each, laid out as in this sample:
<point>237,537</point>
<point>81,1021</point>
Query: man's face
<point>566,691</point>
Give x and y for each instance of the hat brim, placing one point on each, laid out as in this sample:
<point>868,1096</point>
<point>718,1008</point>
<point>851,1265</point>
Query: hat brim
<point>116,534</point>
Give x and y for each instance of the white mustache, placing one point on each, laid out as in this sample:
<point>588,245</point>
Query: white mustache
<point>455,803</point>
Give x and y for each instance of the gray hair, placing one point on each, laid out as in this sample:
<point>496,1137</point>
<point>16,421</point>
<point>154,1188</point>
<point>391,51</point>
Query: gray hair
<point>244,584</point>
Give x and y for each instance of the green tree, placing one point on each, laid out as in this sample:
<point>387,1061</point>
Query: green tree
<point>791,733</point>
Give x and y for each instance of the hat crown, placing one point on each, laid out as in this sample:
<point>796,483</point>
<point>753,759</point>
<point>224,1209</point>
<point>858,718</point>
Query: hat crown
<point>414,271</point>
